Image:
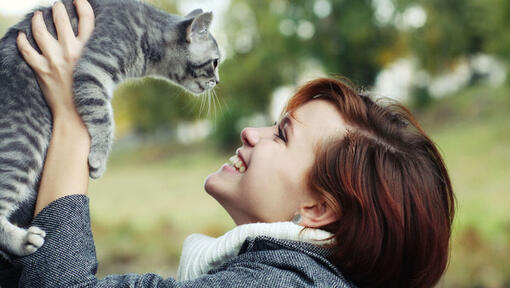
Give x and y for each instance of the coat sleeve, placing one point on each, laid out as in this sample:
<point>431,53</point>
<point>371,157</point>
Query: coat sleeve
<point>68,256</point>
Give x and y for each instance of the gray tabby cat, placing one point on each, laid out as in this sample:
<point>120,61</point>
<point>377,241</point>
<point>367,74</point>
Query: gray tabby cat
<point>130,39</point>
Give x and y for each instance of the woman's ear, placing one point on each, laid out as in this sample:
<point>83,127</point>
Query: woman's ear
<point>317,214</point>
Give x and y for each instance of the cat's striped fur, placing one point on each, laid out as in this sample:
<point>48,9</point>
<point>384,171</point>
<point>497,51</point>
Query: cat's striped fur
<point>130,39</point>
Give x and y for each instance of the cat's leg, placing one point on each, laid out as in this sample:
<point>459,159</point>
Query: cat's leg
<point>19,241</point>
<point>92,103</point>
<point>101,133</point>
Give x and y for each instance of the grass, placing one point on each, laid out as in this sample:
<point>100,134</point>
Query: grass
<point>478,158</point>
<point>475,141</point>
<point>151,199</point>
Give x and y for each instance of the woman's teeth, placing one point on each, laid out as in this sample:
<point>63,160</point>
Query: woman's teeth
<point>237,163</point>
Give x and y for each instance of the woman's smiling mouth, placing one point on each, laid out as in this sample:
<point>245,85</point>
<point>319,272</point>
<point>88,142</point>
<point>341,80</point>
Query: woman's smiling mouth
<point>237,162</point>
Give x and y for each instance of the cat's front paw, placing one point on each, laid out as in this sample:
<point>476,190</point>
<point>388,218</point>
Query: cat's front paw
<point>33,240</point>
<point>97,166</point>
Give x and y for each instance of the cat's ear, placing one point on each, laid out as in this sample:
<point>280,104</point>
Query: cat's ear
<point>198,29</point>
<point>194,13</point>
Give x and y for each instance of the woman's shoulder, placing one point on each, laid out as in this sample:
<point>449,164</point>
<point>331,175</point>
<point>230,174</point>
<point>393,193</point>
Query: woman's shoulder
<point>293,263</point>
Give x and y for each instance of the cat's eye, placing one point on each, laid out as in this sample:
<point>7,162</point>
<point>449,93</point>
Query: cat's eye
<point>215,63</point>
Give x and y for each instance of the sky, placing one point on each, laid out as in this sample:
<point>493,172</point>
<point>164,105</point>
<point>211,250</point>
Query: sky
<point>20,7</point>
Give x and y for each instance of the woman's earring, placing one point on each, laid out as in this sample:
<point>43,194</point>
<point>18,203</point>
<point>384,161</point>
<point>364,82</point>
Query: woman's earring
<point>296,219</point>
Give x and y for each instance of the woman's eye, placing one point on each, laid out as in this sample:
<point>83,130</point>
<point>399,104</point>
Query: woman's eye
<point>281,135</point>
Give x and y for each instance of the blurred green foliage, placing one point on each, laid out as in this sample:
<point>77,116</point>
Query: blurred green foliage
<point>459,28</point>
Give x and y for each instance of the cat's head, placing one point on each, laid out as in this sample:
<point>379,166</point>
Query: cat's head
<point>195,55</point>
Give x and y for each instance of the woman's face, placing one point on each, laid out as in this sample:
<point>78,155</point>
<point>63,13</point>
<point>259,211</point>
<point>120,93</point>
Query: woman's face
<point>273,187</point>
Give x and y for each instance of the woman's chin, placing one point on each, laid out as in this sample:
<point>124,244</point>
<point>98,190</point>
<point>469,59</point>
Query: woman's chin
<point>221,185</point>
<point>214,182</point>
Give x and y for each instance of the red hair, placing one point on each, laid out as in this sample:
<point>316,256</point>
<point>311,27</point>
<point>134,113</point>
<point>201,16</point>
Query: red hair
<point>389,186</point>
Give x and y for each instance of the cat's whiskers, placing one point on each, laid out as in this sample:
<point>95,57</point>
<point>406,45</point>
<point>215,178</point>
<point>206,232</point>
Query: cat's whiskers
<point>209,98</point>
<point>221,102</point>
<point>202,105</point>
<point>216,100</point>
<point>225,104</point>
<point>208,103</point>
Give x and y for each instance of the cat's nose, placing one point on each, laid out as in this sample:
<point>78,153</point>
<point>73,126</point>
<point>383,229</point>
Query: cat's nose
<point>211,83</point>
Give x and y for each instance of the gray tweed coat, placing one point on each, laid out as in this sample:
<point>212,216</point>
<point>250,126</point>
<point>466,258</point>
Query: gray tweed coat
<point>68,259</point>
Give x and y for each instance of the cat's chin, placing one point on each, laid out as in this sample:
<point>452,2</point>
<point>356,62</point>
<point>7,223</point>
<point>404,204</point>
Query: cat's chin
<point>193,88</point>
<point>195,91</point>
<point>196,88</point>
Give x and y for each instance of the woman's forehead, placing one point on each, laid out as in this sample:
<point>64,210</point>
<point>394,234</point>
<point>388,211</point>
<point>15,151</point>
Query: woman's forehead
<point>318,118</point>
<point>317,112</point>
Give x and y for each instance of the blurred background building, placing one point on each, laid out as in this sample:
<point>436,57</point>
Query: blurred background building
<point>446,60</point>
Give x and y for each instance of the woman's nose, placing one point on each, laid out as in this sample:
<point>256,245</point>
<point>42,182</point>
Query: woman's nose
<point>249,136</point>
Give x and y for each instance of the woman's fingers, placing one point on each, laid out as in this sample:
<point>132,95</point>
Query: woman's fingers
<point>58,57</point>
<point>86,19</point>
<point>44,40</point>
<point>62,24</point>
<point>31,56</point>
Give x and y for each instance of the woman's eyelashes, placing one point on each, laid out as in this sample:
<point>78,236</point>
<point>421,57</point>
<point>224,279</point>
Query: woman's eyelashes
<point>281,133</point>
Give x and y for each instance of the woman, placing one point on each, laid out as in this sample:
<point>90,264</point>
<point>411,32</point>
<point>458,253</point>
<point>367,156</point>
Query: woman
<point>368,194</point>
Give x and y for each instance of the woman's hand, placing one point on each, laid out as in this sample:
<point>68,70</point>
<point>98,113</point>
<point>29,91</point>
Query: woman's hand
<point>54,68</point>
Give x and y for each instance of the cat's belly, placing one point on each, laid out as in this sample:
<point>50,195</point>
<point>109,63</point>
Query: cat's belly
<point>25,131</point>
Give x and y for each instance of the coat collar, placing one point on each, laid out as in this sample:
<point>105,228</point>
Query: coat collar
<point>201,253</point>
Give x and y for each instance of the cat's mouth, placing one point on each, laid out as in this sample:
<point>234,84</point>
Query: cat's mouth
<point>204,86</point>
<point>200,86</point>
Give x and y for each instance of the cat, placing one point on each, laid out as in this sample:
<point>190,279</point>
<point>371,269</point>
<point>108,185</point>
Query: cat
<point>130,40</point>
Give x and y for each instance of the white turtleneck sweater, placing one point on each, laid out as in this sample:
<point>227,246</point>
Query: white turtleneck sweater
<point>201,253</point>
